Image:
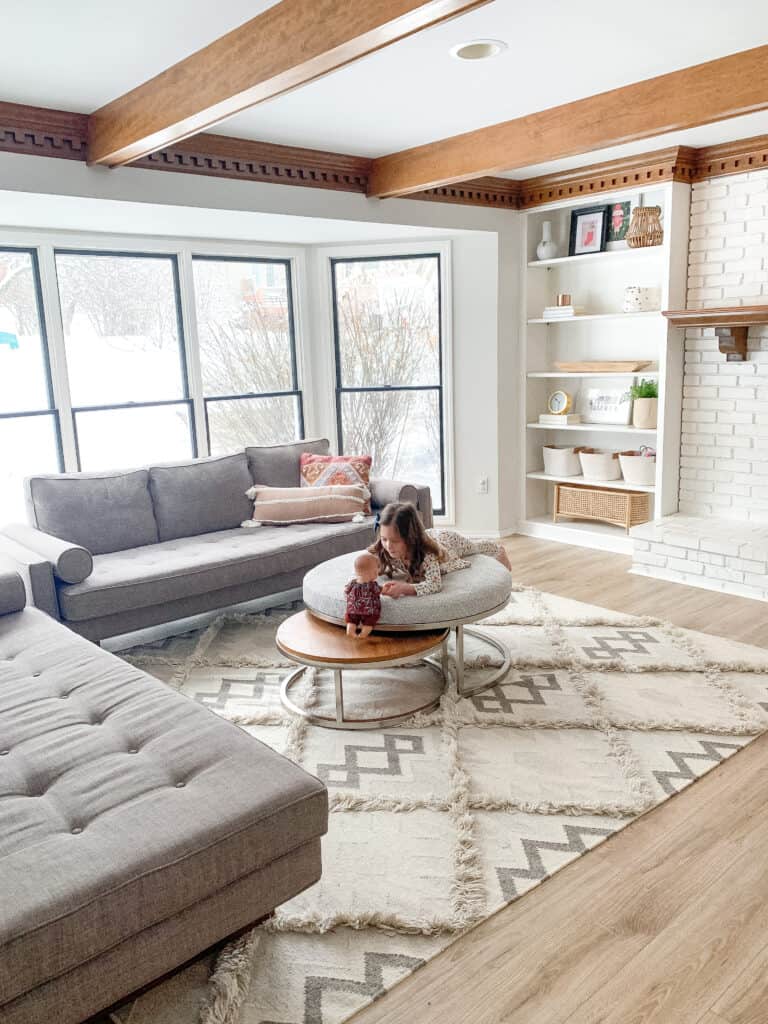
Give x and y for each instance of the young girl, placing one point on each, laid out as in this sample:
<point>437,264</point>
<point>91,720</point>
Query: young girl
<point>405,548</point>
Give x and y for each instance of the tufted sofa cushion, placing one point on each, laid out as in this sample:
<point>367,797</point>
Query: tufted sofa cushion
<point>121,802</point>
<point>467,594</point>
<point>188,566</point>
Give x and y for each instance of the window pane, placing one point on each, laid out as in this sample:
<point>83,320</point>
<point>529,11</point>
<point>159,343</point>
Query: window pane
<point>121,328</point>
<point>243,325</point>
<point>121,438</point>
<point>27,446</point>
<point>401,430</point>
<point>388,321</point>
<point>233,425</point>
<point>23,373</point>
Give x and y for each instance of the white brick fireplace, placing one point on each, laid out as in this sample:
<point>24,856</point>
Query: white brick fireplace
<point>720,538</point>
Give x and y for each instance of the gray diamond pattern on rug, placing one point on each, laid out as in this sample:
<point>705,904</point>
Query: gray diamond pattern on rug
<point>438,823</point>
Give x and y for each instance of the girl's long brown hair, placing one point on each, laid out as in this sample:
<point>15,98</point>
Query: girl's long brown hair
<point>407,521</point>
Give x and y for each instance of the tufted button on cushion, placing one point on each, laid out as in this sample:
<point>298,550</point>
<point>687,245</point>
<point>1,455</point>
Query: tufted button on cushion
<point>180,785</point>
<point>133,750</point>
<point>3,753</point>
<point>63,696</point>
<point>76,830</point>
<point>36,675</point>
<point>467,594</point>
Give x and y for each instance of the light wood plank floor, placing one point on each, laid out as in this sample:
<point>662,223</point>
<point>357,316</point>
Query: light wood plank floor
<point>666,922</point>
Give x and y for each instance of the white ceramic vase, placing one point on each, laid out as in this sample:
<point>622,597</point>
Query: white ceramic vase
<point>546,249</point>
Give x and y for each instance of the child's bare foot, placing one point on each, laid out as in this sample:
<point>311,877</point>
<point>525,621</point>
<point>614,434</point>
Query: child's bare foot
<point>503,557</point>
<point>351,629</point>
<point>365,631</point>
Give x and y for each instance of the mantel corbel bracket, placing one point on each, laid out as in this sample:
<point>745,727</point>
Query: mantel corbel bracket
<point>731,325</point>
<point>732,342</point>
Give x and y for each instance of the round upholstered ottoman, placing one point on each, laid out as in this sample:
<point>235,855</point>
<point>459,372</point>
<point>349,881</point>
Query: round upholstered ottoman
<point>468,595</point>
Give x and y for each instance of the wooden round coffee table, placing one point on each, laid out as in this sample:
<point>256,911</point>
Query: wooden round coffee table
<point>314,643</point>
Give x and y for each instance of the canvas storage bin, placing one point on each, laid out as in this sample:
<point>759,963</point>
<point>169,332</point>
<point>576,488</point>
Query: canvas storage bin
<point>637,468</point>
<point>599,465</point>
<point>561,461</point>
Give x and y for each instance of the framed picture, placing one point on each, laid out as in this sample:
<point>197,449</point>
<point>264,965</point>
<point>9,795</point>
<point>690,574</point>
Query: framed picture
<point>589,228</point>
<point>607,404</point>
<point>619,216</point>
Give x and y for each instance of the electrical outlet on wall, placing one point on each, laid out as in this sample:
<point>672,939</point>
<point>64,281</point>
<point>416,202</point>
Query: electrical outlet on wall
<point>482,485</point>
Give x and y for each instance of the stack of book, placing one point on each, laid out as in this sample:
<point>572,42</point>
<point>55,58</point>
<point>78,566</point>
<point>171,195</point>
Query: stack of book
<point>552,419</point>
<point>560,312</point>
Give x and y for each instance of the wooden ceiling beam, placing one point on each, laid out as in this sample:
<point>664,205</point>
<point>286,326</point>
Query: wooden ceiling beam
<point>714,91</point>
<point>281,49</point>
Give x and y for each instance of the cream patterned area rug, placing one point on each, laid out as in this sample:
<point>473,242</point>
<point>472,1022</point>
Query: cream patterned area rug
<point>438,823</point>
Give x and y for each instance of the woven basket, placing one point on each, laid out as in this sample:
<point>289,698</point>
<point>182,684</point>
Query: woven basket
<point>621,508</point>
<point>645,227</point>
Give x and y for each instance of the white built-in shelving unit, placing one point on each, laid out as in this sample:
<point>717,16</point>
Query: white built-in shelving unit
<point>596,283</point>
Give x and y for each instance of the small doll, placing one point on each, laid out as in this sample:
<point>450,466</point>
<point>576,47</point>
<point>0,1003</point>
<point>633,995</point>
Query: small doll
<point>363,597</point>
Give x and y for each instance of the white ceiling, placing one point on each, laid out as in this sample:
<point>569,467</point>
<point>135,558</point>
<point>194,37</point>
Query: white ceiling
<point>75,213</point>
<point>79,54</point>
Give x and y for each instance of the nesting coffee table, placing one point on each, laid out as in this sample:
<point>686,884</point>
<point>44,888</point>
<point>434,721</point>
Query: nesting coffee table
<point>409,628</point>
<point>468,595</point>
<point>315,643</point>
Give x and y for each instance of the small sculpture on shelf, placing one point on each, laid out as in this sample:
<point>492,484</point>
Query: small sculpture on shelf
<point>363,597</point>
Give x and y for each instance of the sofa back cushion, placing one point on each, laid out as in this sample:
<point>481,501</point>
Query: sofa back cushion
<point>103,512</point>
<point>277,465</point>
<point>201,495</point>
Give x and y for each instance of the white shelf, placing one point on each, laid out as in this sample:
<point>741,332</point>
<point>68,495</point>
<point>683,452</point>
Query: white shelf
<point>597,316</point>
<point>585,534</point>
<point>609,428</point>
<point>599,257</point>
<point>592,373</point>
<point>611,485</point>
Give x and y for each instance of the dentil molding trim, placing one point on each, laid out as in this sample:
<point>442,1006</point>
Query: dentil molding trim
<point>41,131</point>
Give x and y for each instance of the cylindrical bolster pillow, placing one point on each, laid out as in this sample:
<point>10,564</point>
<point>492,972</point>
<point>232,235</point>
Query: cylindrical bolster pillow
<point>71,563</point>
<point>13,597</point>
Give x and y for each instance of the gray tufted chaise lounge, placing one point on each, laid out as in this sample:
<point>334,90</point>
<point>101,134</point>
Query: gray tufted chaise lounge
<point>136,827</point>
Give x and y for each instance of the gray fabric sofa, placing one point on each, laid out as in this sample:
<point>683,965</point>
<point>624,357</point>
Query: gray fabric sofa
<point>137,828</point>
<point>108,553</point>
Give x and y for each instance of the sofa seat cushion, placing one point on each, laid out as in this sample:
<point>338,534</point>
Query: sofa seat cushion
<point>188,566</point>
<point>122,802</point>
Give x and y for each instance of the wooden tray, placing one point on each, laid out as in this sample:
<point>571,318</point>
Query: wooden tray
<point>625,366</point>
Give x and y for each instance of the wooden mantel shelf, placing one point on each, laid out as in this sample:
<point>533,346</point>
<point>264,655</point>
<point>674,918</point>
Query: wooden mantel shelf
<point>731,324</point>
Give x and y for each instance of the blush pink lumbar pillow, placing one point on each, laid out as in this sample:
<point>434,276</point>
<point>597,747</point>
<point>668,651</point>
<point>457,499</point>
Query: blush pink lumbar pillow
<point>336,470</point>
<point>282,506</point>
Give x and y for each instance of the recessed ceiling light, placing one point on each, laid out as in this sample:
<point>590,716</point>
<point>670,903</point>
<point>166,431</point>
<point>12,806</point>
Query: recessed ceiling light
<point>478,49</point>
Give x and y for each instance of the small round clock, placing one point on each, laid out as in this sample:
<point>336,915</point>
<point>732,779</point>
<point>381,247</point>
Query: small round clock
<point>559,403</point>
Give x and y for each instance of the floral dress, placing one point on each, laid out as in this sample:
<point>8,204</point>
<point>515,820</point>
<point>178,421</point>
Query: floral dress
<point>363,603</point>
<point>457,548</point>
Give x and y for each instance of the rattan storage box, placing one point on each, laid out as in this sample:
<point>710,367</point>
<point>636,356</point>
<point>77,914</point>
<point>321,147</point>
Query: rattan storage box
<point>622,508</point>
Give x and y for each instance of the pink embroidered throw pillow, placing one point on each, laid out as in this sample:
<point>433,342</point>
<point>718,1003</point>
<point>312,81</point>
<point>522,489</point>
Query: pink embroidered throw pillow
<point>332,470</point>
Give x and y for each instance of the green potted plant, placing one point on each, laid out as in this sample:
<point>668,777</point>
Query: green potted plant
<point>645,404</point>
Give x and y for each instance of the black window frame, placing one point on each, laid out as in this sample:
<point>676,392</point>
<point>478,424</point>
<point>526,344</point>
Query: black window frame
<point>111,407</point>
<point>440,387</point>
<point>296,391</point>
<point>52,409</point>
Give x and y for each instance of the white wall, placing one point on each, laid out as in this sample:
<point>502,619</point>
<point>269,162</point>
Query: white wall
<point>724,451</point>
<point>484,245</point>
